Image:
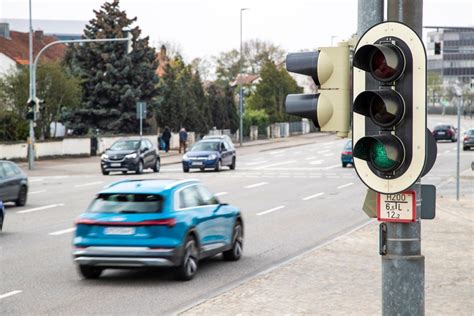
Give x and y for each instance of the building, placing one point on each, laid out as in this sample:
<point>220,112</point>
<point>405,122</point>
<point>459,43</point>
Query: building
<point>450,53</point>
<point>14,48</point>
<point>61,29</point>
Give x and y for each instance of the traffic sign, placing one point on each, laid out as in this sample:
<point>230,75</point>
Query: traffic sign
<point>141,110</point>
<point>398,207</point>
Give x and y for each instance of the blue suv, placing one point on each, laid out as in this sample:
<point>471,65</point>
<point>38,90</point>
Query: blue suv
<point>210,153</point>
<point>156,223</point>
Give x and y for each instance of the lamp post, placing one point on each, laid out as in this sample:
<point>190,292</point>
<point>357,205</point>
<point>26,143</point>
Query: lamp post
<point>241,95</point>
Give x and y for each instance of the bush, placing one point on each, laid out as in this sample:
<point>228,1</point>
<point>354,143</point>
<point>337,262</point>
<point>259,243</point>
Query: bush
<point>12,127</point>
<point>255,117</point>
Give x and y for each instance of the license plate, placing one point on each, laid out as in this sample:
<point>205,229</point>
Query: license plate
<point>115,164</point>
<point>440,133</point>
<point>197,163</point>
<point>119,230</point>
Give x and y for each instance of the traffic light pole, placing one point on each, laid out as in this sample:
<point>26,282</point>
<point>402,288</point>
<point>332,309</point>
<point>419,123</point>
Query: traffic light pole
<point>33,67</point>
<point>403,266</point>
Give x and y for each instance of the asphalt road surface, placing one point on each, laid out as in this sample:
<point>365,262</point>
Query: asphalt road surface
<point>292,200</point>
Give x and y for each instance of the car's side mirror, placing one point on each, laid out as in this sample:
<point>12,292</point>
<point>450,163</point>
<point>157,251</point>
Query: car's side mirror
<point>145,149</point>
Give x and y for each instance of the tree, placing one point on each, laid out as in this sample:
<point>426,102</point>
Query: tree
<point>113,80</point>
<point>55,85</point>
<point>271,92</point>
<point>221,102</point>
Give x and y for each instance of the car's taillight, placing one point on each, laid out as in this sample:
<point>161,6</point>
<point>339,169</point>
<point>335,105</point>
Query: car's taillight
<point>466,138</point>
<point>347,152</point>
<point>170,222</point>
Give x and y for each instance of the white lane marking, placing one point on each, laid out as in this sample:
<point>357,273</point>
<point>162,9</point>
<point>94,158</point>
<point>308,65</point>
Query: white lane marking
<point>327,155</point>
<point>10,294</point>
<point>221,193</point>
<point>316,162</point>
<point>331,167</point>
<point>64,231</point>
<point>277,156</point>
<point>256,162</point>
<point>88,184</point>
<point>311,158</point>
<point>313,196</point>
<point>40,208</point>
<point>255,185</point>
<point>345,185</point>
<point>276,152</point>
<point>323,151</point>
<point>36,192</point>
<point>271,210</point>
<point>279,164</point>
<point>35,180</point>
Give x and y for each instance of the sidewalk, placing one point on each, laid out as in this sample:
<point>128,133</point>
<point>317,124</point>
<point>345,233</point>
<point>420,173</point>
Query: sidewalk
<point>344,276</point>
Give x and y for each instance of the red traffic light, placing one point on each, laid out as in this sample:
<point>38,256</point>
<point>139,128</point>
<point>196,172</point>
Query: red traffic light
<point>385,62</point>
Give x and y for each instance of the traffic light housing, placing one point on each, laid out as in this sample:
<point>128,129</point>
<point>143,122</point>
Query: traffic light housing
<point>389,107</point>
<point>329,67</point>
<point>31,105</point>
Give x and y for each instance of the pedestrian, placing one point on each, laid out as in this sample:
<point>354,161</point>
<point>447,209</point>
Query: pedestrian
<point>166,138</point>
<point>183,138</point>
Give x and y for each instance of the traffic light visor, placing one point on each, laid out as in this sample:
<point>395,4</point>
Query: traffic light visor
<point>302,105</point>
<point>385,107</point>
<point>385,62</point>
<point>384,152</point>
<point>304,63</point>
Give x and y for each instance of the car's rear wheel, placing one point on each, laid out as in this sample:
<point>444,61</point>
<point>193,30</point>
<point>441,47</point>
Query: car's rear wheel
<point>185,169</point>
<point>235,252</point>
<point>22,196</point>
<point>105,173</point>
<point>1,223</point>
<point>139,167</point>
<point>465,148</point>
<point>344,164</point>
<point>190,261</point>
<point>232,166</point>
<point>156,167</point>
<point>90,272</point>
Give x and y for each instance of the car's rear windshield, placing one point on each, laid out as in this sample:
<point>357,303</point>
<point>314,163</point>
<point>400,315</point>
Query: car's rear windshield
<point>127,203</point>
<point>470,132</point>
<point>438,127</point>
<point>348,145</point>
<point>206,146</point>
<point>126,145</point>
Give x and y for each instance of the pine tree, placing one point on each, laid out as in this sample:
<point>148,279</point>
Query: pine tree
<point>113,80</point>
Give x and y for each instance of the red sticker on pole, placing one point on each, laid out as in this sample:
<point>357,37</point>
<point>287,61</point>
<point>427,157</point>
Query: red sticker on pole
<point>398,207</point>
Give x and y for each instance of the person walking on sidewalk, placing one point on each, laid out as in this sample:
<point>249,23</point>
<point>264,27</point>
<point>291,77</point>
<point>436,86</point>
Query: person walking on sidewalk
<point>166,138</point>
<point>183,138</point>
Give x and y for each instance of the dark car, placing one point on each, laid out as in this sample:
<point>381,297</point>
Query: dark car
<point>210,153</point>
<point>346,155</point>
<point>2,215</point>
<point>130,155</point>
<point>444,132</point>
<point>13,183</point>
<point>468,141</point>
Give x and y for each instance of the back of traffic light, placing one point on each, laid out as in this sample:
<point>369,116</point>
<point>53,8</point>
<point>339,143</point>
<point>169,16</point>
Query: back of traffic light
<point>329,67</point>
<point>389,107</point>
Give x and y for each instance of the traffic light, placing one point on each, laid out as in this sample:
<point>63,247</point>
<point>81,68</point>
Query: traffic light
<point>40,106</point>
<point>329,67</point>
<point>389,107</point>
<point>30,114</point>
<point>437,48</point>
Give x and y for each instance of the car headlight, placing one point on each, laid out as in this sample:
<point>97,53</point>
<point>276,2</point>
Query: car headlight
<point>185,157</point>
<point>212,157</point>
<point>104,156</point>
<point>131,156</point>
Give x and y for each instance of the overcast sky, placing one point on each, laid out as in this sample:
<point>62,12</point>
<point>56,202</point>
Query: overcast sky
<point>206,27</point>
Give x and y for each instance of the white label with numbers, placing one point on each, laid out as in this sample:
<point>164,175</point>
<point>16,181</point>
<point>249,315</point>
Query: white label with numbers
<point>398,207</point>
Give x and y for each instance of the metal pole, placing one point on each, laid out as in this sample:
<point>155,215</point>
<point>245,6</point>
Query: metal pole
<point>141,119</point>
<point>458,146</point>
<point>403,265</point>
<point>369,13</point>
<point>241,124</point>
<point>31,140</point>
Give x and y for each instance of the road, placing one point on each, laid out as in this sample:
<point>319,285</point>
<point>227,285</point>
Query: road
<point>292,199</point>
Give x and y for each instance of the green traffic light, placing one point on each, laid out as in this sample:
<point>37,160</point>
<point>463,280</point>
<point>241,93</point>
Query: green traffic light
<point>379,157</point>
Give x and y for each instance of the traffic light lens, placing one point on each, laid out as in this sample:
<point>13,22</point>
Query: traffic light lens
<point>380,67</point>
<point>379,157</point>
<point>381,114</point>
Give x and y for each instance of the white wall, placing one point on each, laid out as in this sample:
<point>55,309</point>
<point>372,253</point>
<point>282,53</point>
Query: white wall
<point>67,146</point>
<point>7,64</point>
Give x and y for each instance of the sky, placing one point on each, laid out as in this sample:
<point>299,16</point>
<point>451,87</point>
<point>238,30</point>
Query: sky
<point>204,28</point>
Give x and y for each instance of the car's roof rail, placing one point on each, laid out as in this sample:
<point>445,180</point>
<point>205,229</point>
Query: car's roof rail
<point>172,185</point>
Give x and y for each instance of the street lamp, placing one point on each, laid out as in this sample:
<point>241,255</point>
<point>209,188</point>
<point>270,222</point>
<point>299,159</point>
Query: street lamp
<point>241,96</point>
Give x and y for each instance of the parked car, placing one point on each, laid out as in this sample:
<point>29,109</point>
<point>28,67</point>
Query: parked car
<point>130,155</point>
<point>210,153</point>
<point>13,183</point>
<point>346,155</point>
<point>468,141</point>
<point>444,132</point>
<point>2,215</point>
<point>156,223</point>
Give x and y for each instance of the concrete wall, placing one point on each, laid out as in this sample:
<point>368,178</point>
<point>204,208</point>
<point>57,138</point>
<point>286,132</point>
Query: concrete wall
<point>65,147</point>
